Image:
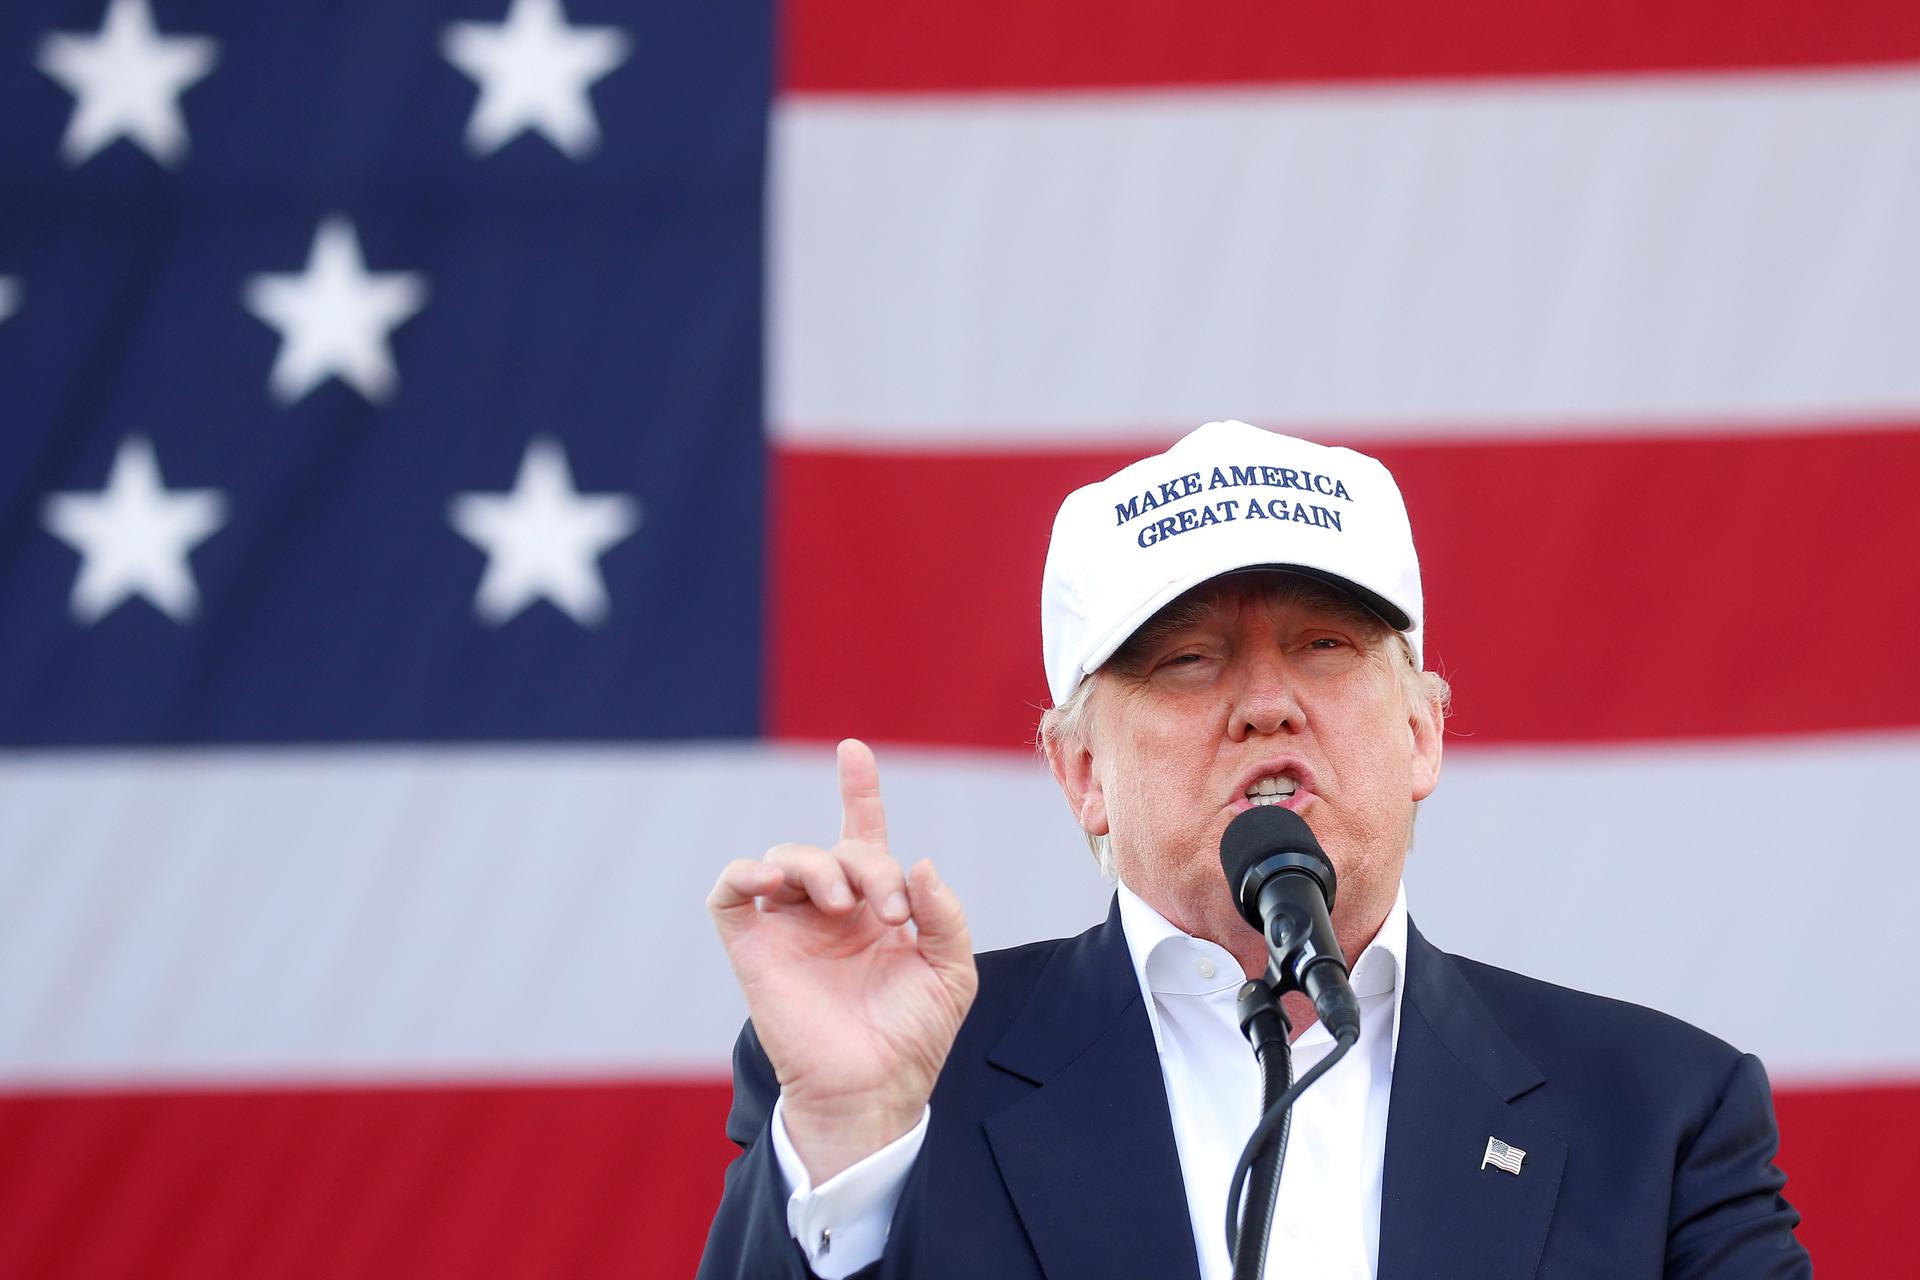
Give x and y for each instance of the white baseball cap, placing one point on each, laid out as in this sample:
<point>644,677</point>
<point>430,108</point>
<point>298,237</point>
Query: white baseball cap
<point>1225,497</point>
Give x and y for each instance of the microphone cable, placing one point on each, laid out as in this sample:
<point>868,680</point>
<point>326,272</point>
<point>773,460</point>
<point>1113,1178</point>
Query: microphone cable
<point>1273,1122</point>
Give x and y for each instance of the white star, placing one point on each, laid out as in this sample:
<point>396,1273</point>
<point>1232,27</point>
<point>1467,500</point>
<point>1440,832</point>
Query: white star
<point>126,82</point>
<point>133,536</point>
<point>335,317</point>
<point>543,539</point>
<point>533,71</point>
<point>10,292</point>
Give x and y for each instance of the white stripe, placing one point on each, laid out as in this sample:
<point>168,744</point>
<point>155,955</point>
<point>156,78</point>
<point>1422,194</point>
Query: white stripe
<point>1663,253</point>
<point>1762,890</point>
<point>449,914</point>
<point>434,913</point>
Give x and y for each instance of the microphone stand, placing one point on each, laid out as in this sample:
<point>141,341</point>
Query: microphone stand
<point>1265,1027</point>
<point>1247,1243</point>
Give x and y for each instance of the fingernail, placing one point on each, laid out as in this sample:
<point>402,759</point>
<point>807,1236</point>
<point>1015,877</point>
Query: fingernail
<point>839,895</point>
<point>897,905</point>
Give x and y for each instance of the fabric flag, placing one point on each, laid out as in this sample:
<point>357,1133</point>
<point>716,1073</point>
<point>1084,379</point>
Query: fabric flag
<point>465,462</point>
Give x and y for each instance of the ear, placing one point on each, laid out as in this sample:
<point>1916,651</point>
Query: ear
<point>1424,725</point>
<point>1071,760</point>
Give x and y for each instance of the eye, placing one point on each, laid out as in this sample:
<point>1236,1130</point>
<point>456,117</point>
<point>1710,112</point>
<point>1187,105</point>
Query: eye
<point>1184,666</point>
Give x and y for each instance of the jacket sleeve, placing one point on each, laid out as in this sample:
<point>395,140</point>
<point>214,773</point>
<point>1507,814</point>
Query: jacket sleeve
<point>1728,1217</point>
<point>749,1239</point>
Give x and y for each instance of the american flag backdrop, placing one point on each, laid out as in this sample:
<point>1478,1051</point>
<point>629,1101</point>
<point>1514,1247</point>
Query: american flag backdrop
<point>463,462</point>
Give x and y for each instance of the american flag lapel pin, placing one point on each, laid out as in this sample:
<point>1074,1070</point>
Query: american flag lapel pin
<point>1502,1156</point>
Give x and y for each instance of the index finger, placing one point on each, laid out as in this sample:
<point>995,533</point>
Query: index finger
<point>862,817</point>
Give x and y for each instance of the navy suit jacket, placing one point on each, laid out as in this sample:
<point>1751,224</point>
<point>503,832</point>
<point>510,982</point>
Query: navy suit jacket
<point>1050,1154</point>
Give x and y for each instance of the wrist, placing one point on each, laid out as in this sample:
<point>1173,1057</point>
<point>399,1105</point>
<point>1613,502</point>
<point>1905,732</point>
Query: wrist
<point>831,1135</point>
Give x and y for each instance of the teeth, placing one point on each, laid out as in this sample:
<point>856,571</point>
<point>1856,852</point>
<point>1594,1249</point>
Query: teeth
<point>1271,789</point>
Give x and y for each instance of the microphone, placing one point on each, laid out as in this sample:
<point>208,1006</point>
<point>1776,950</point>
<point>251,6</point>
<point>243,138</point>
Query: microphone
<point>1284,884</point>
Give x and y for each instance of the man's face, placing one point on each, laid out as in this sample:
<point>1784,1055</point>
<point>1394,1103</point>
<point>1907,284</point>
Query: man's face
<point>1250,685</point>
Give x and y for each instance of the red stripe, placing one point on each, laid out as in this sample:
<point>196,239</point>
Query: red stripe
<point>1849,1159</point>
<point>582,1182</point>
<point>1577,590</point>
<point>921,46</point>
<point>338,1184</point>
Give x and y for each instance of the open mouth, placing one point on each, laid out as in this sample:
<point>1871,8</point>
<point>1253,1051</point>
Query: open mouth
<point>1273,789</point>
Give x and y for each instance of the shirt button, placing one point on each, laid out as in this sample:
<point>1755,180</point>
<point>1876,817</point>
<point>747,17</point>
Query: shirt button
<point>1204,967</point>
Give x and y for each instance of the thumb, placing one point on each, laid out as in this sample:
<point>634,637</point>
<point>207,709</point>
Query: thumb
<point>940,923</point>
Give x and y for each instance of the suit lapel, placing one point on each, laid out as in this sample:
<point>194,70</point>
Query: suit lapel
<point>1088,1156</point>
<point>1455,1076</point>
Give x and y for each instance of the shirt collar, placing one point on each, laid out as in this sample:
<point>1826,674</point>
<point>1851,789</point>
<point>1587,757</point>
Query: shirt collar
<point>1169,962</point>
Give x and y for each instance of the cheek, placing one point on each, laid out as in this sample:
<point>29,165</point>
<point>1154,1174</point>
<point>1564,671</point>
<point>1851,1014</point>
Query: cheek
<point>1156,792</point>
<point>1378,787</point>
<point>1157,765</point>
<point>1373,763</point>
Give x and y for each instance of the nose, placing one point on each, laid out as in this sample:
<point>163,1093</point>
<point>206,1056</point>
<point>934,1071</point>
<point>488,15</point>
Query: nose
<point>1264,698</point>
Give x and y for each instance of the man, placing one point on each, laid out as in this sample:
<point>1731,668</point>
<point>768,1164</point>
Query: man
<point>1234,622</point>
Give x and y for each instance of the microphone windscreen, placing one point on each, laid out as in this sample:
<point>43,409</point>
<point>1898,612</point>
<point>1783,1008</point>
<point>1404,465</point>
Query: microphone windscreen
<point>1259,834</point>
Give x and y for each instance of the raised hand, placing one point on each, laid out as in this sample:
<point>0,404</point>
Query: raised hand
<point>856,975</point>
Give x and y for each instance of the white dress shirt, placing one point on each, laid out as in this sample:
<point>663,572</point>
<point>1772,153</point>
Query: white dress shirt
<point>1327,1223</point>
